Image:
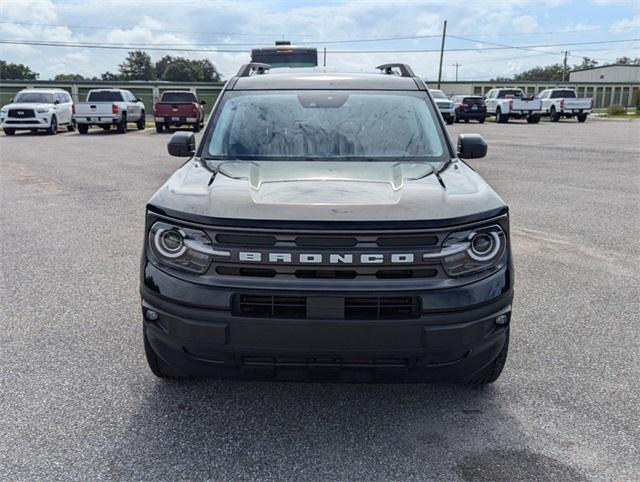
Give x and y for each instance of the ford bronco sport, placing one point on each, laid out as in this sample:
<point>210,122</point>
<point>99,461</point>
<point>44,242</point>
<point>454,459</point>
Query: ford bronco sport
<point>326,228</point>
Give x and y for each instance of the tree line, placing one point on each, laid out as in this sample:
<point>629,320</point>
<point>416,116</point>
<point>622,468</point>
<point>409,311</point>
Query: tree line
<point>136,66</point>
<point>139,66</point>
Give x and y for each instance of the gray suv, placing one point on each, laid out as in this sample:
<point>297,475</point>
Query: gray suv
<point>326,228</point>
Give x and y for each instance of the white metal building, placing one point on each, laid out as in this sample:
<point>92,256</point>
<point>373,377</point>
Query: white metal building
<point>607,73</point>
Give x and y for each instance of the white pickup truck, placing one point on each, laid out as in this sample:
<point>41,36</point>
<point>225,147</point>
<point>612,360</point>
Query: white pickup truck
<point>557,103</point>
<point>514,104</point>
<point>109,107</point>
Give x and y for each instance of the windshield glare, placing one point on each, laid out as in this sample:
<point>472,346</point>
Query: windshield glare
<point>34,98</point>
<point>326,125</point>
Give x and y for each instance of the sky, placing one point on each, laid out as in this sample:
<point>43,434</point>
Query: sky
<point>214,25</point>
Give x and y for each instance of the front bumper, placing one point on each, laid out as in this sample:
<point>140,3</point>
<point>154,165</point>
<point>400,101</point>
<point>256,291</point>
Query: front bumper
<point>455,335</point>
<point>31,123</point>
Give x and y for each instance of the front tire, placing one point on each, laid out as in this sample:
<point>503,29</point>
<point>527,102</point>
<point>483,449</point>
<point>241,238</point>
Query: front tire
<point>491,372</point>
<point>156,365</point>
<point>8,131</point>
<point>83,128</point>
<point>122,125</point>
<point>141,124</point>
<point>582,117</point>
<point>53,128</point>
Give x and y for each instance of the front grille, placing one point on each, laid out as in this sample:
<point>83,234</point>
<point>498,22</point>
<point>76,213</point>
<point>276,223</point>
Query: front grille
<point>349,308</point>
<point>21,113</point>
<point>353,245</point>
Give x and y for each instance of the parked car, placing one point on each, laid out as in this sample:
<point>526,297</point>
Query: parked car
<point>326,226</point>
<point>467,107</point>
<point>508,104</point>
<point>557,103</point>
<point>178,108</point>
<point>38,109</point>
<point>110,107</point>
<point>444,105</point>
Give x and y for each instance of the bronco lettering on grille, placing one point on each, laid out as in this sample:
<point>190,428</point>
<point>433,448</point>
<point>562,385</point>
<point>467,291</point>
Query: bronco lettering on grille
<point>333,258</point>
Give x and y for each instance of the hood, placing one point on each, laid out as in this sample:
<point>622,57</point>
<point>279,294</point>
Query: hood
<point>27,105</point>
<point>325,191</point>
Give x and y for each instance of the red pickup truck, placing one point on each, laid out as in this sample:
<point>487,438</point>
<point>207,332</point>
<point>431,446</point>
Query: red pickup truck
<point>178,108</point>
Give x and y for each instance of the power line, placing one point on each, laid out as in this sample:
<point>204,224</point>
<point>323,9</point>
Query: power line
<point>152,47</point>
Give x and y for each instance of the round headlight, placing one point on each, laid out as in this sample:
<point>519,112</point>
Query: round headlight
<point>170,243</point>
<point>484,246</point>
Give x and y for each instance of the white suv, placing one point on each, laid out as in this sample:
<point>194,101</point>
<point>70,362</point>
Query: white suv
<point>38,109</point>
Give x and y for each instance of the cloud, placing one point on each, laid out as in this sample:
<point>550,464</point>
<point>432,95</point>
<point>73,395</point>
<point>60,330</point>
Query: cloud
<point>226,22</point>
<point>630,23</point>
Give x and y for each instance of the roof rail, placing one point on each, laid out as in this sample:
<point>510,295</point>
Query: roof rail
<point>405,70</point>
<point>247,69</point>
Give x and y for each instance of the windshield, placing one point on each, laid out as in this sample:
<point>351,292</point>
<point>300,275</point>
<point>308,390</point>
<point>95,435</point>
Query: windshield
<point>438,94</point>
<point>105,96</point>
<point>178,98</point>
<point>34,97</point>
<point>326,125</point>
<point>510,93</point>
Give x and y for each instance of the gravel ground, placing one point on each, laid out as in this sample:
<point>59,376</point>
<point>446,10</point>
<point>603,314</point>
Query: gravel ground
<point>77,400</point>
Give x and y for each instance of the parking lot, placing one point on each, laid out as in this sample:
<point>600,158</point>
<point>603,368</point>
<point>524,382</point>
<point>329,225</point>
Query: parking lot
<point>78,401</point>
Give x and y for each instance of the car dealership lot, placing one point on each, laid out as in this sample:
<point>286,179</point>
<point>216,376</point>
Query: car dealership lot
<point>78,400</point>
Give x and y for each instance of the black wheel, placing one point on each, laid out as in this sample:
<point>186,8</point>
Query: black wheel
<point>466,121</point>
<point>122,125</point>
<point>159,127</point>
<point>196,127</point>
<point>83,128</point>
<point>157,366</point>
<point>449,120</point>
<point>500,117</point>
<point>553,115</point>
<point>456,119</point>
<point>582,117</point>
<point>533,119</point>
<point>491,372</point>
<point>34,131</point>
<point>53,128</point>
<point>481,120</point>
<point>9,132</point>
<point>71,126</point>
<point>141,122</point>
<point>106,127</point>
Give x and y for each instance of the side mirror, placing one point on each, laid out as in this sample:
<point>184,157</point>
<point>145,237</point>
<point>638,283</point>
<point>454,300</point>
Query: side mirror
<point>182,144</point>
<point>56,101</point>
<point>11,100</point>
<point>471,146</point>
<point>203,102</point>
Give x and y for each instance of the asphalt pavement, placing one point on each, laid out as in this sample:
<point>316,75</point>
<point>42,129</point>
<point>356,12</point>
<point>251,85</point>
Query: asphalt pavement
<point>77,400</point>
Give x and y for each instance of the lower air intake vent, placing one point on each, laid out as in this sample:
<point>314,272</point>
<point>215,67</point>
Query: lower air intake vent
<point>355,308</point>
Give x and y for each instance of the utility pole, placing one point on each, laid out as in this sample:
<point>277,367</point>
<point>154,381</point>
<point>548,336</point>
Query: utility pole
<point>564,67</point>
<point>456,65</point>
<point>444,34</point>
